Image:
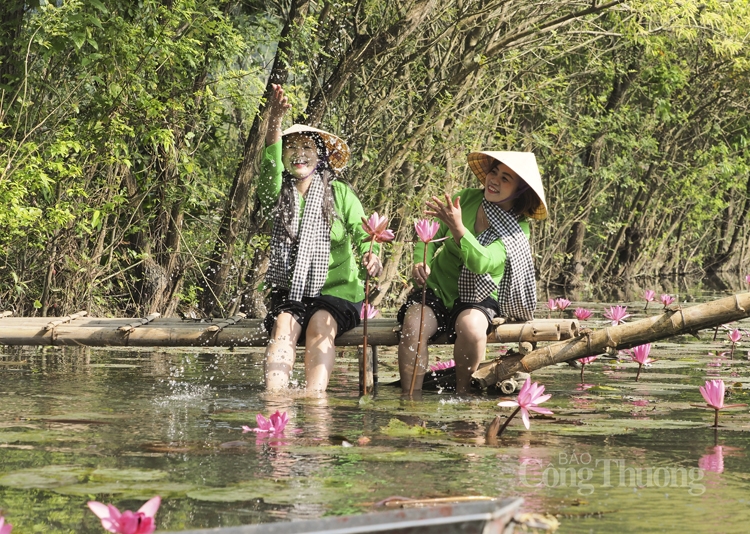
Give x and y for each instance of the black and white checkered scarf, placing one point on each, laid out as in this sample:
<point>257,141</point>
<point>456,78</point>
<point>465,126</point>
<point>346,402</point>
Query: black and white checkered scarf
<point>309,250</point>
<point>517,288</point>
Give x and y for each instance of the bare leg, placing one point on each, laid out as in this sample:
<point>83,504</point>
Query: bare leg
<point>407,347</point>
<point>320,350</point>
<point>470,347</point>
<point>281,351</point>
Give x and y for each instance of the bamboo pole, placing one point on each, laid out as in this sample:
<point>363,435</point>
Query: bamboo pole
<point>674,321</point>
<point>171,332</point>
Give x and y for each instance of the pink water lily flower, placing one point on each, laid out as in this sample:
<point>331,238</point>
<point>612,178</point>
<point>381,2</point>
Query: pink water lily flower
<point>648,296</point>
<point>582,314</point>
<point>273,425</point>
<point>552,305</point>
<point>426,229</point>
<point>377,228</point>
<point>127,522</point>
<point>713,393</point>
<point>639,355</point>
<point>443,365</point>
<point>562,303</point>
<point>747,278</point>
<point>734,336</point>
<point>5,528</point>
<point>667,300</point>
<point>368,310</point>
<point>617,314</point>
<point>529,397</point>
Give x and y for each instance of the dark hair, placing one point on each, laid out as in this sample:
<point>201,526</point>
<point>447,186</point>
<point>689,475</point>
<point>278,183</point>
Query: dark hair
<point>288,190</point>
<point>527,203</point>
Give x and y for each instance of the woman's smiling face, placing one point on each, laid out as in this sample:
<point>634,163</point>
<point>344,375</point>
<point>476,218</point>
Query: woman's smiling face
<point>501,185</point>
<point>299,155</point>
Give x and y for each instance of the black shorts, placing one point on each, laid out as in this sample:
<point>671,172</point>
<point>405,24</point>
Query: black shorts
<point>447,318</point>
<point>344,312</point>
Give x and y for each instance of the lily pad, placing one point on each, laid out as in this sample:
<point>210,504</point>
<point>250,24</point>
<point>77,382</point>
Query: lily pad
<point>127,475</point>
<point>239,492</point>
<point>396,427</point>
<point>48,477</point>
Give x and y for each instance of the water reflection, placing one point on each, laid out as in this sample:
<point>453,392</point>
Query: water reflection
<point>124,424</point>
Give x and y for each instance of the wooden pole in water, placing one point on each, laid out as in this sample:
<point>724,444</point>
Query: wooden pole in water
<point>675,320</point>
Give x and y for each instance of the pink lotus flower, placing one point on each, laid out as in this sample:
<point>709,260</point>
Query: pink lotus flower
<point>584,362</point>
<point>529,397</point>
<point>639,355</point>
<point>648,296</point>
<point>667,299</point>
<point>562,303</point>
<point>714,461</point>
<point>127,522</point>
<point>617,314</point>
<point>443,365</point>
<point>713,393</point>
<point>273,425</point>
<point>368,310</point>
<point>377,229</point>
<point>4,529</point>
<point>747,278</point>
<point>426,229</point>
<point>735,335</point>
<point>582,314</point>
<point>552,305</point>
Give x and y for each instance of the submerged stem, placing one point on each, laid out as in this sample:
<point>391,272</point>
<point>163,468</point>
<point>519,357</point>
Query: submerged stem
<point>638,374</point>
<point>505,424</point>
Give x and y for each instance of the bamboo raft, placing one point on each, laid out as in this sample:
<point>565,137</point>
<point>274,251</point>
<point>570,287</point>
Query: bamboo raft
<point>154,331</point>
<point>675,320</point>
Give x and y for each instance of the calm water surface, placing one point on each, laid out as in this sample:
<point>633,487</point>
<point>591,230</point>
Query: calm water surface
<point>120,426</point>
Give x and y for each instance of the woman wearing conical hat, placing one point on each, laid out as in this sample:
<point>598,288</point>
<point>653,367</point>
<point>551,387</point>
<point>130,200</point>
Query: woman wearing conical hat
<point>316,288</point>
<point>484,269</point>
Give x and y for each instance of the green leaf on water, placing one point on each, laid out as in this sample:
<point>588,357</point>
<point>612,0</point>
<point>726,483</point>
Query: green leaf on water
<point>396,427</point>
<point>47,477</point>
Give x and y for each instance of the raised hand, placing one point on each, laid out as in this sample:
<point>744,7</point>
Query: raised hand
<point>278,105</point>
<point>448,212</point>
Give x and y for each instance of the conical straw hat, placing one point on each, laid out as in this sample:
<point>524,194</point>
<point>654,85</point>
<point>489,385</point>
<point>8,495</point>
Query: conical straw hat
<point>522,163</point>
<point>338,150</point>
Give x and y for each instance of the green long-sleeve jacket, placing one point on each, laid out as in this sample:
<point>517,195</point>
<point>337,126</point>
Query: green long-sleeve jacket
<point>445,258</point>
<point>344,273</point>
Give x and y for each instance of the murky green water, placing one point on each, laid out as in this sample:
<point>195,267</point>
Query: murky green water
<point>121,426</point>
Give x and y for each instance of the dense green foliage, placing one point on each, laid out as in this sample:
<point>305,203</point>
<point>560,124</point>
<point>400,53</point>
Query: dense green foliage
<point>129,134</point>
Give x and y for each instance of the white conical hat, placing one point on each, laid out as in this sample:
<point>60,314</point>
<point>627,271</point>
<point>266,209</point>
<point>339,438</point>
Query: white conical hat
<point>338,150</point>
<point>522,163</point>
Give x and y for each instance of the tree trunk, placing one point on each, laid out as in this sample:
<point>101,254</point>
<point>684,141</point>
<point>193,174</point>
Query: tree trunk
<point>217,271</point>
